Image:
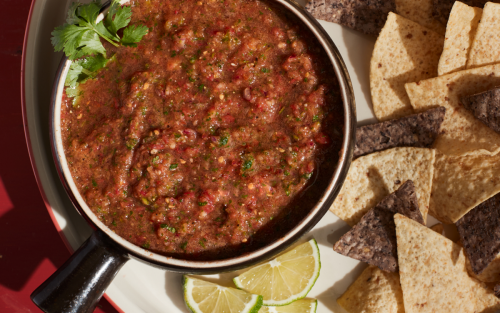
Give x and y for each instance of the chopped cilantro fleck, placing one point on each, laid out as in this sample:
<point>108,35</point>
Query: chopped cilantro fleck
<point>171,229</point>
<point>223,141</point>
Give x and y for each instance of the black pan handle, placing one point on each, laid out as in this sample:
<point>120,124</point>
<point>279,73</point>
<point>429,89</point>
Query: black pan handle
<point>80,282</point>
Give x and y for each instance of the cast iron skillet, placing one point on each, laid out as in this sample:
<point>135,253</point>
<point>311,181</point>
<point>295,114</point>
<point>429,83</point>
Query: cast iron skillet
<point>79,284</point>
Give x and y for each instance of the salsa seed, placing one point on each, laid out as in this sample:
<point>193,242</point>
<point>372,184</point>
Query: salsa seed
<point>221,159</point>
<point>154,151</point>
<point>221,96</point>
<point>80,116</point>
<point>183,162</point>
<point>251,186</point>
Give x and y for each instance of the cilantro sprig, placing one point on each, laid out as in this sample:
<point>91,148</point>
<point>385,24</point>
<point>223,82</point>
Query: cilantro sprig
<point>80,36</point>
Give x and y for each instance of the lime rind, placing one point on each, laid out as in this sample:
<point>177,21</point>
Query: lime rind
<point>298,306</point>
<point>252,306</point>
<point>304,292</point>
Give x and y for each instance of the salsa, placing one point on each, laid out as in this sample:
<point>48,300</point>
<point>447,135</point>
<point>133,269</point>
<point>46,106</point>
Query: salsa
<point>202,140</point>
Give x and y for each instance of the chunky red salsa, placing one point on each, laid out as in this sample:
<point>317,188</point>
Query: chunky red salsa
<point>191,143</point>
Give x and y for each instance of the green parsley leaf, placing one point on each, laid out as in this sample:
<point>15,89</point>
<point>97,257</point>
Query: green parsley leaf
<point>81,37</point>
<point>133,34</point>
<point>117,18</point>
<point>81,70</point>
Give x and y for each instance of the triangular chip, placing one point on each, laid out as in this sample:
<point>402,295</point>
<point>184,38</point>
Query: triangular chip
<point>432,270</point>
<point>373,239</point>
<point>373,177</point>
<point>460,32</point>
<point>438,228</point>
<point>462,132</point>
<point>487,300</point>
<point>485,107</point>
<point>479,232</point>
<point>420,11</point>
<point>404,52</point>
<point>442,8</point>
<point>462,182</point>
<point>417,130</point>
<point>484,49</point>
<point>364,16</point>
<point>375,291</point>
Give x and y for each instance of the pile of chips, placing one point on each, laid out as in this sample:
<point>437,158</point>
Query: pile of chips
<point>436,92</point>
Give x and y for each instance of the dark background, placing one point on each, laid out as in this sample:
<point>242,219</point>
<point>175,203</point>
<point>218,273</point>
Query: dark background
<point>30,246</point>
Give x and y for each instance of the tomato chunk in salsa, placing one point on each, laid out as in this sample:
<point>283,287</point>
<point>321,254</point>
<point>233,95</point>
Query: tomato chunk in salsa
<point>194,141</point>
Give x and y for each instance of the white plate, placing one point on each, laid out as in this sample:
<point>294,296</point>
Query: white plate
<point>139,287</point>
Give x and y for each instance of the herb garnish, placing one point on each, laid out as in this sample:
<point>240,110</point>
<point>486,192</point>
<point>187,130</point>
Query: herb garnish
<point>79,37</point>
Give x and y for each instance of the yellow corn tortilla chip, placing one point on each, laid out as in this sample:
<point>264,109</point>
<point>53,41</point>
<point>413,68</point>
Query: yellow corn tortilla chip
<point>432,270</point>
<point>460,33</point>
<point>404,52</point>
<point>438,228</point>
<point>462,182</point>
<point>487,302</point>
<point>372,177</point>
<point>462,131</point>
<point>420,11</point>
<point>375,291</point>
<point>485,47</point>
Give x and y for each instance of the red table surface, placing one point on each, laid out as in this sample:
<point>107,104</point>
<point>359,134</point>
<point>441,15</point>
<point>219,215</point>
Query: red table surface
<point>30,246</point>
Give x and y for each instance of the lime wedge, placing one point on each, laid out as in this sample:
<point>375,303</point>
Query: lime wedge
<point>204,297</point>
<point>299,306</point>
<point>285,279</point>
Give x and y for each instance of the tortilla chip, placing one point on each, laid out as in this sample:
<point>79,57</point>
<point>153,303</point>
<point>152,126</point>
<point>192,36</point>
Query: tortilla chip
<point>438,228</point>
<point>373,239</point>
<point>460,33</point>
<point>462,182</point>
<point>432,270</point>
<point>442,8</point>
<point>417,130</point>
<point>375,291</point>
<point>490,274</point>
<point>420,11</point>
<point>480,236</point>
<point>373,177</point>
<point>487,301</point>
<point>485,107</point>
<point>365,16</point>
<point>462,131</point>
<point>487,40</point>
<point>404,52</point>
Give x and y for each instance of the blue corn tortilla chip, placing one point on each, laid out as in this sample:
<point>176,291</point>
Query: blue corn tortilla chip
<point>485,106</point>
<point>479,232</point>
<point>417,130</point>
<point>373,239</point>
<point>367,16</point>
